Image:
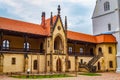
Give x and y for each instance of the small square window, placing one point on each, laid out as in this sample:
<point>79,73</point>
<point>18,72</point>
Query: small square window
<point>13,61</point>
<point>111,64</point>
<point>109,27</point>
<point>110,50</point>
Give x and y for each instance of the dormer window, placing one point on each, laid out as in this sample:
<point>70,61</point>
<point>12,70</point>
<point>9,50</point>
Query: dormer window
<point>106,6</point>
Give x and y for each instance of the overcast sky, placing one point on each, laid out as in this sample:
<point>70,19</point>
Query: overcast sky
<point>78,12</point>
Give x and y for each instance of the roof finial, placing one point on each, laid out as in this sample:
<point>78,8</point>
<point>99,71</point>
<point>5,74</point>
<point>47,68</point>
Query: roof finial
<point>65,22</point>
<point>51,20</point>
<point>59,9</point>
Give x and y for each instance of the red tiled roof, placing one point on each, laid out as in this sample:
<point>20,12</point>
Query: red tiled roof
<point>20,26</point>
<point>103,38</point>
<point>47,23</point>
<point>80,37</point>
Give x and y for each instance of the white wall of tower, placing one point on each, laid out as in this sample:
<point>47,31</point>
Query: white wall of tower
<point>102,18</point>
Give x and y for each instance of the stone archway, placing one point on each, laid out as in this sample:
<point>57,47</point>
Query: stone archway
<point>58,65</point>
<point>58,44</point>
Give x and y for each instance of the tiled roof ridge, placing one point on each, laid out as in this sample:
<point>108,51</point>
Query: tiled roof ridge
<point>81,33</point>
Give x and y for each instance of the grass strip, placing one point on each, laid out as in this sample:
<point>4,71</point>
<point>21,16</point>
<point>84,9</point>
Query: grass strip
<point>41,76</point>
<point>90,74</point>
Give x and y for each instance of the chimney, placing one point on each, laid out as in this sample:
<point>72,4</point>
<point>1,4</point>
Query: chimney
<point>43,19</point>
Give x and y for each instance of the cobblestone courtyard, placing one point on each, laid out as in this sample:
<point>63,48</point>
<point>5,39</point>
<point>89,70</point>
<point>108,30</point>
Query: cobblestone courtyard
<point>105,76</point>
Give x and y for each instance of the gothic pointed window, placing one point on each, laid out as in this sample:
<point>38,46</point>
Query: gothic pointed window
<point>6,44</point>
<point>106,6</point>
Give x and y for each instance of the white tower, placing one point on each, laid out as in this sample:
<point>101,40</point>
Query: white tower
<point>106,19</point>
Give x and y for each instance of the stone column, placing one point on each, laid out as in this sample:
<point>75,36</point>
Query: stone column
<point>76,65</point>
<point>51,62</point>
<point>25,55</point>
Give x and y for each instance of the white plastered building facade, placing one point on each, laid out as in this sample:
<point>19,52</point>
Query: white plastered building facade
<point>106,19</point>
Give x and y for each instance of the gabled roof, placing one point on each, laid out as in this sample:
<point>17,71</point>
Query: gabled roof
<point>48,26</point>
<point>103,38</point>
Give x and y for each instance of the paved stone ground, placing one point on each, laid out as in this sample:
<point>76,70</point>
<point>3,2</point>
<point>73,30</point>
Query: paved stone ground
<point>105,76</point>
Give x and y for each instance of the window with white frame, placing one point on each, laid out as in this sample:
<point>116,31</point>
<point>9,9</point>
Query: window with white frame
<point>81,50</point>
<point>6,44</point>
<point>26,45</point>
<point>70,49</point>
<point>106,6</point>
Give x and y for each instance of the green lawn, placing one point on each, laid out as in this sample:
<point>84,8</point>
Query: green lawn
<point>90,74</point>
<point>42,76</point>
